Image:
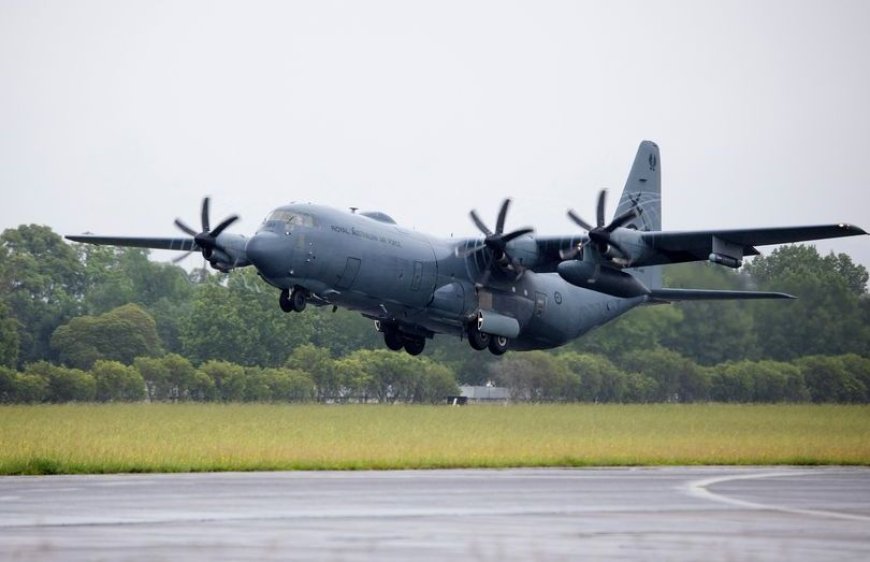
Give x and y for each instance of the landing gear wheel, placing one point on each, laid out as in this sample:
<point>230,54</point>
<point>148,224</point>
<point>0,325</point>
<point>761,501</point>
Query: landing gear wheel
<point>284,301</point>
<point>498,345</point>
<point>297,299</point>
<point>414,345</point>
<point>477,339</point>
<point>393,339</point>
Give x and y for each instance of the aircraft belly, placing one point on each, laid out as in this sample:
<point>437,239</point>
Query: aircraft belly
<point>563,312</point>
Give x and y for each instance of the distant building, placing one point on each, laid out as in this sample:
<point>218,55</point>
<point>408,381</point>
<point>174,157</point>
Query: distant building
<point>485,393</point>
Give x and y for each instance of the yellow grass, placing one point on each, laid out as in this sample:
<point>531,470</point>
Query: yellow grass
<point>210,437</point>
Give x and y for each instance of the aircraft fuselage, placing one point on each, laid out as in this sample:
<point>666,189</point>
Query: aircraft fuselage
<point>369,264</point>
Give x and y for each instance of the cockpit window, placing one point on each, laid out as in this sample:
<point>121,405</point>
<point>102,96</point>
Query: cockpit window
<point>292,219</point>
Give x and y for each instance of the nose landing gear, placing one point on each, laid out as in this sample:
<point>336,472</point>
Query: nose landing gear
<point>292,301</point>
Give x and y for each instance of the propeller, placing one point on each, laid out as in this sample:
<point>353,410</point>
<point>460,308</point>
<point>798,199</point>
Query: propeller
<point>207,239</point>
<point>496,242</point>
<point>600,234</point>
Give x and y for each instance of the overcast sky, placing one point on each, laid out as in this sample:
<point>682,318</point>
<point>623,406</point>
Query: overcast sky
<point>118,116</point>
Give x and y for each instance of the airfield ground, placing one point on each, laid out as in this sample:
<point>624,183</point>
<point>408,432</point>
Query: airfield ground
<point>117,438</point>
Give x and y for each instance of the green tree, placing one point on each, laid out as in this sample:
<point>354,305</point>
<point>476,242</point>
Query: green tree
<point>434,383</point>
<point>535,375</point>
<point>241,323</point>
<point>7,385</point>
<point>171,378</point>
<point>291,385</point>
<point>64,384</point>
<point>391,376</point>
<point>711,332</point>
<point>230,380</point>
<point>598,380</point>
<point>829,380</point>
<point>317,362</point>
<point>778,382</point>
<point>677,378</point>
<point>117,382</point>
<point>828,316</point>
<point>40,284</point>
<point>29,388</point>
<point>859,368</point>
<point>643,328</point>
<point>732,382</point>
<point>10,340</point>
<point>358,381</point>
<point>122,334</point>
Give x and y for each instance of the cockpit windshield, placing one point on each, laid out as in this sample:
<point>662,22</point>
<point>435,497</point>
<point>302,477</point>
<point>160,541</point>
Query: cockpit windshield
<point>291,219</point>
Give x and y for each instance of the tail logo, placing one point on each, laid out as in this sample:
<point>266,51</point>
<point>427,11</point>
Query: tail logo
<point>653,162</point>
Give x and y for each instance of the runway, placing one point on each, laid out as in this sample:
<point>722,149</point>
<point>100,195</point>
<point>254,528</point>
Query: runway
<point>707,513</point>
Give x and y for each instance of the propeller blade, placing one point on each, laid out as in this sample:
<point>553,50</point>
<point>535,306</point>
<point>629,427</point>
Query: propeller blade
<point>186,229</point>
<point>569,253</point>
<point>182,257</point>
<point>515,234</point>
<point>480,225</point>
<point>461,252</point>
<point>205,227</point>
<point>602,201</point>
<point>622,219</point>
<point>223,225</point>
<point>580,222</point>
<point>502,213</point>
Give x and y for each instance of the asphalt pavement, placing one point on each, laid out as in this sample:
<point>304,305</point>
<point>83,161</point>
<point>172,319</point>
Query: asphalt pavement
<point>704,513</point>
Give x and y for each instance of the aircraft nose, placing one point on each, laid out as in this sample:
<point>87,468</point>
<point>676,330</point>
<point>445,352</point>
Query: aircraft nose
<point>269,253</point>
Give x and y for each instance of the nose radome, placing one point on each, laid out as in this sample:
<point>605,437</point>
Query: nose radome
<point>269,253</point>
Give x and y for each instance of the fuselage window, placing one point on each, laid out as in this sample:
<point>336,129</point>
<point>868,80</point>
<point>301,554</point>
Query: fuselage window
<point>292,219</point>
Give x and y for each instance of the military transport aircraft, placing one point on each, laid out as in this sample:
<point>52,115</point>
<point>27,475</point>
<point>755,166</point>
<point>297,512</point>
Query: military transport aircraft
<point>506,289</point>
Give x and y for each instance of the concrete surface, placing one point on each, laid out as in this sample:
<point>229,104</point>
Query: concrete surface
<point>708,513</point>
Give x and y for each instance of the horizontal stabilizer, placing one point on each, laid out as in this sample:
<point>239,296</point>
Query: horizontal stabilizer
<point>713,295</point>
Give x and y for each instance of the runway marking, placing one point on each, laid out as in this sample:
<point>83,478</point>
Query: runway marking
<point>698,489</point>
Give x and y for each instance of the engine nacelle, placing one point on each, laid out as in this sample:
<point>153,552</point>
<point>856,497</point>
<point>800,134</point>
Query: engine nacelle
<point>601,278</point>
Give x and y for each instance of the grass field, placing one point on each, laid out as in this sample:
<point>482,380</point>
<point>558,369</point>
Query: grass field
<point>207,437</point>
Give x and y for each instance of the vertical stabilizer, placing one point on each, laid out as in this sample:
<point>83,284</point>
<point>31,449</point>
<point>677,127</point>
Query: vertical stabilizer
<point>643,191</point>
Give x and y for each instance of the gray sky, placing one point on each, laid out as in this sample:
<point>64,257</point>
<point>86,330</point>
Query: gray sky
<point>116,117</point>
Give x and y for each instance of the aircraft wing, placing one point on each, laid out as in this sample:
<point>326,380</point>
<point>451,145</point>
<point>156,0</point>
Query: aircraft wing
<point>181,244</point>
<point>663,247</point>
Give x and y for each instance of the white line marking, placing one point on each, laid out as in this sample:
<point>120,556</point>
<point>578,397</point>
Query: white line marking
<point>698,489</point>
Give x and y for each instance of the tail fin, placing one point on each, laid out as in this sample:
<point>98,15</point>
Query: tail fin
<point>643,191</point>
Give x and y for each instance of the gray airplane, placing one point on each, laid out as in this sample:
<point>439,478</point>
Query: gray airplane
<point>508,289</point>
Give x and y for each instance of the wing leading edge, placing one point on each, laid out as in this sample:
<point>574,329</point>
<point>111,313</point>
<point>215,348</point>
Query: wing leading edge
<point>676,247</point>
<point>180,244</point>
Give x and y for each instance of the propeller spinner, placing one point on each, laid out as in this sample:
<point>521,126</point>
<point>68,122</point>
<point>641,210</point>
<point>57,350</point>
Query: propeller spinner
<point>207,239</point>
<point>600,234</point>
<point>496,242</point>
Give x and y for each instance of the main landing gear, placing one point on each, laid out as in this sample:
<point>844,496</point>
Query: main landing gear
<point>397,340</point>
<point>292,301</point>
<point>481,340</point>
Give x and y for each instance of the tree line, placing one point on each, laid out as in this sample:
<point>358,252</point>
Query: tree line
<point>312,374</point>
<point>85,310</point>
<point>309,374</point>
